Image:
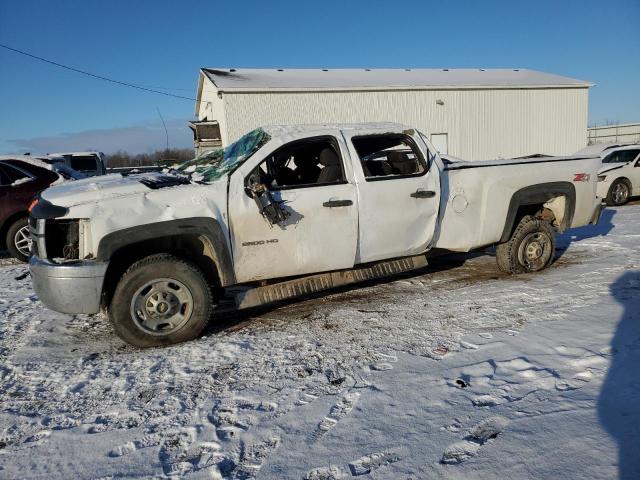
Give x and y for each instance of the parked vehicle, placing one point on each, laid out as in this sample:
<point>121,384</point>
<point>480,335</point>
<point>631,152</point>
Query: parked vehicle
<point>619,176</point>
<point>60,165</point>
<point>21,179</point>
<point>286,211</point>
<point>88,163</point>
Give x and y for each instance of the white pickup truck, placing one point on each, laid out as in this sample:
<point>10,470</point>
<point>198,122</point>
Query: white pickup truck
<point>287,211</point>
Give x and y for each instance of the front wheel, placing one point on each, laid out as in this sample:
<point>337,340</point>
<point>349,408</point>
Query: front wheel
<point>618,193</point>
<point>160,300</point>
<point>530,248</point>
<point>18,240</point>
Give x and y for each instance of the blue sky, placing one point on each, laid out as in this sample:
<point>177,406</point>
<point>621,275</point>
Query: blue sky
<point>164,43</point>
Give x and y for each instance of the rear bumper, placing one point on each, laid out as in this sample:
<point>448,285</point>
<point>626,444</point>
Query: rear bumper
<point>595,218</point>
<point>68,288</point>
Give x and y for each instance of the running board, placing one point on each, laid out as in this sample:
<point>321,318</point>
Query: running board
<point>325,281</point>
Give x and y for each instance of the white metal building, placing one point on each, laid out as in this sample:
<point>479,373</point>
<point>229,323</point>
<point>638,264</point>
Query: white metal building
<point>468,113</point>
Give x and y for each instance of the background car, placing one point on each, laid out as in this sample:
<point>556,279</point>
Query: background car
<point>88,163</point>
<point>22,177</point>
<point>619,176</point>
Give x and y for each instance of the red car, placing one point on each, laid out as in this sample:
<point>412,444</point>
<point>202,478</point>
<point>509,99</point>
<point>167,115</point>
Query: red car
<point>21,179</point>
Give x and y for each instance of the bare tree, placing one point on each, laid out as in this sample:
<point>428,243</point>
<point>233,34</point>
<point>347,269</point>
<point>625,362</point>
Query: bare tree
<point>171,156</point>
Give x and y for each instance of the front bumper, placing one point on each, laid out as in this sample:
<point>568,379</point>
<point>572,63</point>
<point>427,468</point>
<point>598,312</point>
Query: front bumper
<point>595,218</point>
<point>603,188</point>
<point>74,287</point>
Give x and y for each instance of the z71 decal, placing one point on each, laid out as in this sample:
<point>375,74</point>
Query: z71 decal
<point>581,177</point>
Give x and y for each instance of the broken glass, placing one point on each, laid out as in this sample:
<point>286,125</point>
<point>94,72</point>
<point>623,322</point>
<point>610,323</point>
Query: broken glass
<point>213,164</point>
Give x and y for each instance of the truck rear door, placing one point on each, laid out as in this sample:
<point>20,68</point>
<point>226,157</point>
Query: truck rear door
<point>398,192</point>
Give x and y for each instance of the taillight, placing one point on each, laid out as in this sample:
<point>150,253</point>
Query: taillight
<point>33,204</point>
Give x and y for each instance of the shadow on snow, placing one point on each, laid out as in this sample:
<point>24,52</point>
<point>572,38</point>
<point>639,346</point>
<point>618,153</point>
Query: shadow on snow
<point>602,228</point>
<point>619,401</point>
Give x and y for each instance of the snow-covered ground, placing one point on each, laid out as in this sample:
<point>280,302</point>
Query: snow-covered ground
<point>455,372</point>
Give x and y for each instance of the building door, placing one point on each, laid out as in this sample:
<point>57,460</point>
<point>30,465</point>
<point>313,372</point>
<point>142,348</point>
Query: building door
<point>440,142</point>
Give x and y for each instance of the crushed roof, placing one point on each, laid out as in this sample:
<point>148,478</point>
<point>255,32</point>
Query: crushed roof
<point>259,79</point>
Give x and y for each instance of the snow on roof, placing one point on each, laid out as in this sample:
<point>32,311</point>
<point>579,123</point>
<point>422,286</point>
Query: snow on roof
<point>599,148</point>
<point>320,127</point>
<point>57,154</point>
<point>258,79</point>
<point>36,161</point>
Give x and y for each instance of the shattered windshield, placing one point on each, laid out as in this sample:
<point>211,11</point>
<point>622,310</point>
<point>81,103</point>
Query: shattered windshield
<point>213,164</point>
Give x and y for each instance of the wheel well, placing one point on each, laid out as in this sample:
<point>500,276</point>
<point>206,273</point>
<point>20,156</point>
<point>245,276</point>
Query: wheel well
<point>623,179</point>
<point>192,247</point>
<point>7,223</point>
<point>534,210</point>
<point>555,202</point>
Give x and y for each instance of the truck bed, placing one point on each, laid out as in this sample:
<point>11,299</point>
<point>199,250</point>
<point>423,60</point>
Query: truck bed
<point>478,197</point>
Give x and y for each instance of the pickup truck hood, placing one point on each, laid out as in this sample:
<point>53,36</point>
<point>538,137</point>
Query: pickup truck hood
<point>107,187</point>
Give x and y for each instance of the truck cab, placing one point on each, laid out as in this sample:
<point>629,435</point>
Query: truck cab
<point>87,163</point>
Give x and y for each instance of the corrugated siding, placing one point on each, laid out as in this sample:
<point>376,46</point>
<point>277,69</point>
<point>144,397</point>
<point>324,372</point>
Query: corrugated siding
<point>481,124</point>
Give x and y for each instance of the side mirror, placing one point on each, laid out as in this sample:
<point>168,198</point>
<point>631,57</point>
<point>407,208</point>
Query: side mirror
<point>270,208</point>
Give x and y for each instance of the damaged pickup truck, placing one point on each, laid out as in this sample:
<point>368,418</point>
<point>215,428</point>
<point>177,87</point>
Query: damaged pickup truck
<point>287,211</point>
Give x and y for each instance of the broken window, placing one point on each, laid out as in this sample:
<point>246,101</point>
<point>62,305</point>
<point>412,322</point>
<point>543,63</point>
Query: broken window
<point>389,156</point>
<point>213,164</point>
<point>303,163</point>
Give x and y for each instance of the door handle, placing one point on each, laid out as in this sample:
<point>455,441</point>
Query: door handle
<point>337,203</point>
<point>423,193</point>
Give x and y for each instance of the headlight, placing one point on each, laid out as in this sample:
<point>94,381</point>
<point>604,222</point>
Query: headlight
<point>62,239</point>
<point>602,178</point>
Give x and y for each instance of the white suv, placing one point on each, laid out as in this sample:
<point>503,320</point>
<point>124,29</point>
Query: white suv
<point>619,176</point>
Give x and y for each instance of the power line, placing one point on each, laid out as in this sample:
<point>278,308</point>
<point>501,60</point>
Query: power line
<point>166,132</point>
<point>89,74</point>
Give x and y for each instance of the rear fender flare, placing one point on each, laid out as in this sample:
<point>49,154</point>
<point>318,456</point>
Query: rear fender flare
<point>538,195</point>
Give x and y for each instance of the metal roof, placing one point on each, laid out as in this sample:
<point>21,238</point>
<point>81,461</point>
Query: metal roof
<point>283,129</point>
<point>283,79</point>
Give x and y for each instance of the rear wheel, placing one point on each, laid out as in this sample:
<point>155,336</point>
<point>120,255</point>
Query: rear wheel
<point>160,300</point>
<point>619,193</point>
<point>530,248</point>
<point>18,240</point>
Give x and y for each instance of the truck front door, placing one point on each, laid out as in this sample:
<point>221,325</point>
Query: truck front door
<point>316,185</point>
<point>398,193</point>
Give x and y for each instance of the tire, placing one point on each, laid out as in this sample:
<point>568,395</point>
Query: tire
<point>530,249</point>
<point>160,300</point>
<point>17,241</point>
<point>619,193</point>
